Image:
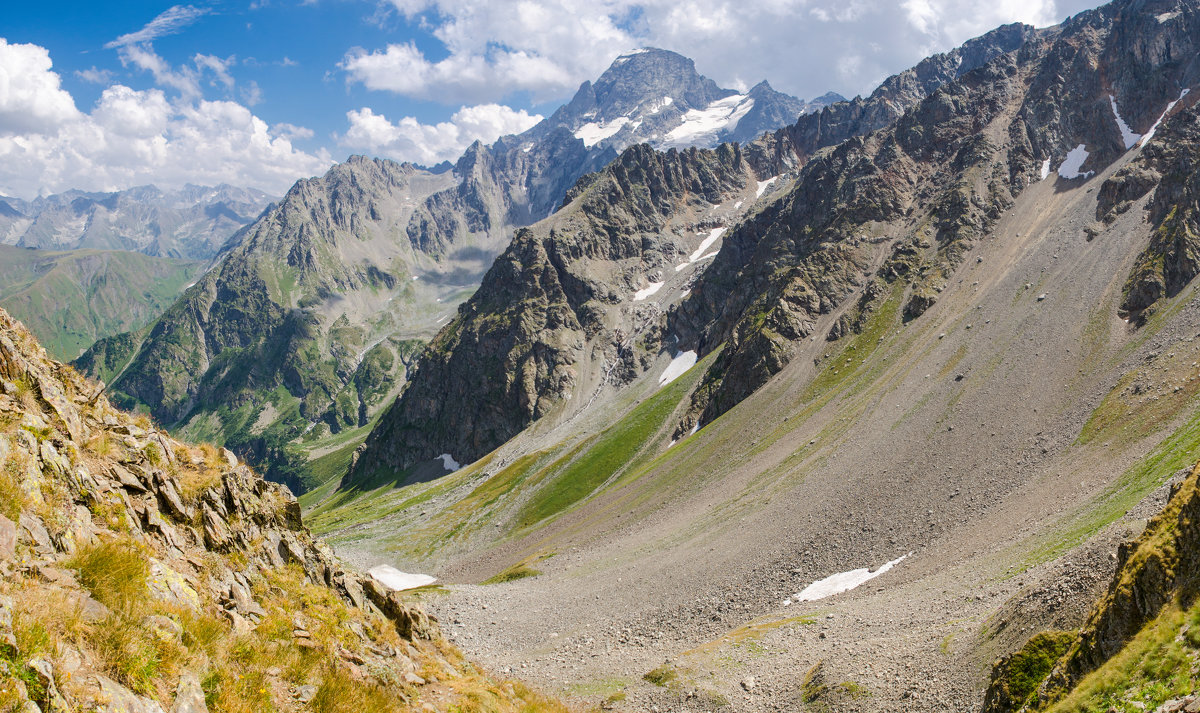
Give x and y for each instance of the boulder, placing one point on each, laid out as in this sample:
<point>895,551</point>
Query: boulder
<point>8,539</point>
<point>112,697</point>
<point>33,533</point>
<point>7,638</point>
<point>189,696</point>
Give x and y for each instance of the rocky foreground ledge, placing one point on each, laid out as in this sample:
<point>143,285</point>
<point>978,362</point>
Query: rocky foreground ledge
<point>141,574</point>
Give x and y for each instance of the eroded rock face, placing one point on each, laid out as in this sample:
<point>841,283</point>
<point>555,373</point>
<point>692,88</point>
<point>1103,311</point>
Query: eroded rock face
<point>510,356</point>
<point>206,550</point>
<point>916,196</point>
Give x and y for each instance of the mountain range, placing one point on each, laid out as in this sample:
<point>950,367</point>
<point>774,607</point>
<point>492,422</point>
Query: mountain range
<point>698,399</point>
<point>191,223</point>
<point>305,329</point>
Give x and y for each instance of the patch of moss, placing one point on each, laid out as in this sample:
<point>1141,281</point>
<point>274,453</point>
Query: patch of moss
<point>662,676</point>
<point>1016,677</point>
<point>513,573</point>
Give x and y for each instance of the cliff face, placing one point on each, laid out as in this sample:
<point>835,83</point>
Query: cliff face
<point>913,198</point>
<point>144,574</point>
<point>550,303</point>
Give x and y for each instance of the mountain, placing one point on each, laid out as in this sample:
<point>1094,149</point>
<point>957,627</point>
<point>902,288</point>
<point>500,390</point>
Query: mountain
<point>290,346</point>
<point>656,96</point>
<point>893,430</point>
<point>411,433</point>
<point>141,573</point>
<point>192,223</point>
<point>69,299</point>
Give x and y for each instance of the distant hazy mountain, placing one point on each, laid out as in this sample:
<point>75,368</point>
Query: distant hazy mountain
<point>191,223</point>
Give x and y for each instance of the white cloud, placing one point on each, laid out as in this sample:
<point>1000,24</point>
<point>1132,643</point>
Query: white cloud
<point>32,99</point>
<point>428,144</point>
<point>216,65</point>
<point>168,22</point>
<point>95,75</point>
<point>132,137</point>
<point>292,132</point>
<point>547,47</point>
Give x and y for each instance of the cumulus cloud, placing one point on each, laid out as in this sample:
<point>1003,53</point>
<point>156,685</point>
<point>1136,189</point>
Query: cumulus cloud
<point>131,137</point>
<point>32,99</point>
<point>547,47</point>
<point>429,144</point>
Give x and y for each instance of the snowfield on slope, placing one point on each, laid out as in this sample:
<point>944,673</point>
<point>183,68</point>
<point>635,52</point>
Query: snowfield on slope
<point>843,581</point>
<point>394,579</point>
<point>700,127</point>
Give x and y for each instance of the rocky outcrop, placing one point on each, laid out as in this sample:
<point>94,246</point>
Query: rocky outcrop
<point>147,548</point>
<point>1156,571</point>
<point>1167,166</point>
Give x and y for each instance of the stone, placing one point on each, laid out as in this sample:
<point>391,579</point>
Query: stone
<point>189,696</point>
<point>7,638</point>
<point>8,539</point>
<point>165,628</point>
<point>33,533</point>
<point>53,700</point>
<point>216,533</point>
<point>168,493</point>
<point>112,697</point>
<point>410,619</point>
<point>89,609</point>
<point>127,479</point>
<point>305,694</point>
<point>748,683</point>
<point>229,458</point>
<point>170,586</point>
<point>413,679</point>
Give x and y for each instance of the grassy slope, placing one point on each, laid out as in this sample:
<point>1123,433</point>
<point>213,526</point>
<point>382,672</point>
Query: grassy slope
<point>528,494</point>
<point>69,299</point>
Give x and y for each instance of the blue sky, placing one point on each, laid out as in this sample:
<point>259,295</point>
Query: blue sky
<point>103,96</point>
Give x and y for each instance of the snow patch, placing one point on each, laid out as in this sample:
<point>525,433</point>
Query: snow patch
<point>1073,162</point>
<point>700,127</point>
<point>1166,16</point>
<point>659,104</point>
<point>705,244</point>
<point>449,463</point>
<point>1045,169</point>
<point>396,580</point>
<point>680,266</point>
<point>842,582</point>
<point>764,185</point>
<point>737,205</point>
<point>1150,134</point>
<point>593,132</point>
<point>647,291</point>
<point>681,363</point>
<point>1129,138</point>
<point>694,429</point>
